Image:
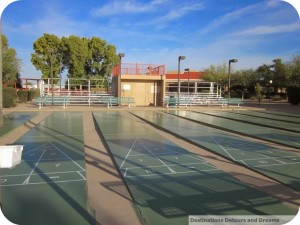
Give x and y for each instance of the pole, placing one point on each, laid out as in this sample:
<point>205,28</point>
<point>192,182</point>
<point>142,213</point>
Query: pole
<point>230,61</point>
<point>51,62</point>
<point>178,91</point>
<point>229,79</point>
<point>178,85</point>
<point>189,82</point>
<point>1,89</point>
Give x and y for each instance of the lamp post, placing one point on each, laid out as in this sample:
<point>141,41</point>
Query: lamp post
<point>188,70</point>
<point>51,51</point>
<point>270,90</point>
<point>60,69</point>
<point>179,58</point>
<point>1,89</point>
<point>121,55</point>
<point>230,61</point>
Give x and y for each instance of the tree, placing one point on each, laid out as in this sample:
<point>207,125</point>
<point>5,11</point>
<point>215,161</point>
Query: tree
<point>293,89</point>
<point>10,62</point>
<point>258,90</point>
<point>293,70</point>
<point>217,73</point>
<point>41,59</point>
<point>244,79</point>
<point>264,74</point>
<point>83,58</point>
<point>280,75</point>
<point>75,56</point>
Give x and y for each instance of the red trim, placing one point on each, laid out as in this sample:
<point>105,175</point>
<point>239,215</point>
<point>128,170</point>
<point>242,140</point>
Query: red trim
<point>185,75</point>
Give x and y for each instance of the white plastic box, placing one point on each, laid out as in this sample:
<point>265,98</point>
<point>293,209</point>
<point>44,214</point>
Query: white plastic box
<point>10,155</point>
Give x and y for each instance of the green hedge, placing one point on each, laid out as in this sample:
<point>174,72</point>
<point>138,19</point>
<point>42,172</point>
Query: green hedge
<point>32,93</point>
<point>293,93</point>
<point>9,97</point>
<point>27,95</point>
<point>22,95</point>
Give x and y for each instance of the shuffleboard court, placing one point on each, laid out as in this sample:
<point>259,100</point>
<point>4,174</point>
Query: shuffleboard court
<point>267,114</point>
<point>260,132</point>
<point>278,113</point>
<point>278,164</point>
<point>49,186</point>
<point>168,183</point>
<point>14,119</point>
<point>251,118</point>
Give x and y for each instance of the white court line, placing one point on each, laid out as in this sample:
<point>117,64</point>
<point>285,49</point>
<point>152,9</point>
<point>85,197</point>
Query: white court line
<point>138,167</point>
<point>281,164</point>
<point>27,179</point>
<point>125,172</point>
<point>122,134</point>
<point>66,156</point>
<point>64,181</point>
<point>187,155</point>
<point>81,175</point>
<point>286,157</point>
<point>128,153</point>
<point>25,160</point>
<point>142,154</point>
<point>223,148</point>
<point>77,172</point>
<point>194,171</point>
<point>19,175</point>
<point>171,170</point>
<point>59,135</point>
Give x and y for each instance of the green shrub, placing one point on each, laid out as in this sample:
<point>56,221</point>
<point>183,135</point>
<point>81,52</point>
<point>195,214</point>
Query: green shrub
<point>293,94</point>
<point>9,97</point>
<point>22,95</point>
<point>32,93</point>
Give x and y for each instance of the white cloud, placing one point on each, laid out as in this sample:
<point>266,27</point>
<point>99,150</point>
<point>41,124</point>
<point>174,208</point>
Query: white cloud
<point>263,30</point>
<point>126,7</point>
<point>180,12</point>
<point>242,13</point>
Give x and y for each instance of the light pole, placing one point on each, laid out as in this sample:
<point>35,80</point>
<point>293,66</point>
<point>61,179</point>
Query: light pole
<point>188,70</point>
<point>121,55</point>
<point>1,89</point>
<point>179,58</point>
<point>60,69</point>
<point>230,61</point>
<point>270,90</point>
<point>51,51</point>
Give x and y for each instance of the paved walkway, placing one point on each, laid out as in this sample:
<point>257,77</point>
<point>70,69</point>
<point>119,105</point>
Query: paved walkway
<point>108,197</point>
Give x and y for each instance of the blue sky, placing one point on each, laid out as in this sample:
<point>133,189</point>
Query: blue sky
<point>158,31</point>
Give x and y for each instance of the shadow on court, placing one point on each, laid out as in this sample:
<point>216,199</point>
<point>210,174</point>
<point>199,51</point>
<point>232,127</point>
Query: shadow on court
<point>170,198</point>
<point>49,186</point>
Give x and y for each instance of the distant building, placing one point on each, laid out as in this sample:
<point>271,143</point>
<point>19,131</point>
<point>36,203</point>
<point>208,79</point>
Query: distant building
<point>148,84</point>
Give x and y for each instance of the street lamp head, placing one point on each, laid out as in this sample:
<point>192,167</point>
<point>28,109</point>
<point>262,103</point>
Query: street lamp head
<point>181,57</point>
<point>187,69</point>
<point>121,55</point>
<point>233,60</point>
<point>271,81</point>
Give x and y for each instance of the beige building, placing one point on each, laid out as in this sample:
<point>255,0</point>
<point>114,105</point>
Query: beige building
<point>144,82</point>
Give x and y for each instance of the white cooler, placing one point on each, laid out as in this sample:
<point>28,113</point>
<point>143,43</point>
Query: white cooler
<point>10,155</point>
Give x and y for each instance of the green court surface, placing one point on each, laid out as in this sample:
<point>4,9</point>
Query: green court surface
<point>257,119</point>
<point>267,114</point>
<point>282,137</point>
<point>278,164</point>
<point>284,114</point>
<point>168,182</point>
<point>14,119</point>
<point>49,186</point>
